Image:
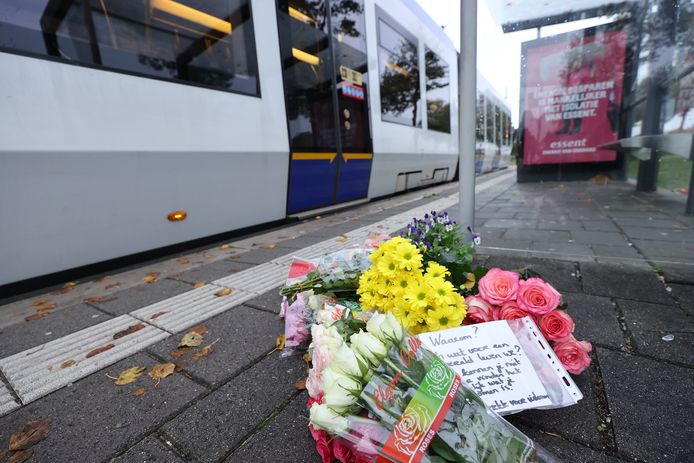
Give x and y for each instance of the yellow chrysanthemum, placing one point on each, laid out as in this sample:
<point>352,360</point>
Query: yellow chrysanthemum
<point>441,291</point>
<point>387,266</point>
<point>402,282</point>
<point>443,317</point>
<point>407,256</point>
<point>437,270</point>
<point>416,296</point>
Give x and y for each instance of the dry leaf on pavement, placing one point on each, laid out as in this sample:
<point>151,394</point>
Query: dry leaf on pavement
<point>177,353</point>
<point>191,339</point>
<point>68,363</point>
<point>99,350</point>
<point>45,306</point>
<point>139,392</point>
<point>19,456</point>
<point>225,246</point>
<point>279,343</point>
<point>301,384</point>
<point>342,238</point>
<point>223,292</point>
<point>128,376</point>
<point>129,330</point>
<point>30,433</point>
<point>161,371</point>
<point>36,316</point>
<point>205,351</point>
<point>307,357</point>
<point>198,284</point>
<point>112,285</point>
<point>200,329</point>
<point>269,246</point>
<point>151,277</point>
<point>183,260</point>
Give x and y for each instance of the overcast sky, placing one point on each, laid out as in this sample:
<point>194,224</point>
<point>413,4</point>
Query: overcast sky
<point>498,54</point>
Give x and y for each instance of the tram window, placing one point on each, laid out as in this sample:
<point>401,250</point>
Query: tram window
<point>438,92</point>
<point>399,75</point>
<point>490,122</point>
<point>207,42</point>
<point>480,117</point>
<point>497,125</point>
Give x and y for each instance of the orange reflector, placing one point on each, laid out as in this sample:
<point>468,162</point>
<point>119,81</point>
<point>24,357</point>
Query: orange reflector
<point>175,216</point>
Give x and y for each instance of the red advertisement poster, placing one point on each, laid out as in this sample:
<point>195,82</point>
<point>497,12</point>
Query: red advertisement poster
<point>572,94</point>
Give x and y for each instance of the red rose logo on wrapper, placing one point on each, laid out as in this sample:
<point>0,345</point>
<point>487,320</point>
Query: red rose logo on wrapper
<point>411,427</point>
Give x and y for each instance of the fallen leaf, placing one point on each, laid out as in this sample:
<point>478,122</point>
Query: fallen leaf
<point>139,392</point>
<point>68,363</point>
<point>207,256</point>
<point>104,278</point>
<point>181,364</point>
<point>151,277</point>
<point>301,384</point>
<point>154,316</point>
<point>49,368</point>
<point>183,260</point>
<point>46,306</point>
<point>342,239</point>
<point>279,343</point>
<point>205,351</point>
<point>225,246</point>
<point>36,316</point>
<point>30,433</point>
<point>177,353</point>
<point>129,330</point>
<point>161,371</point>
<point>129,375</point>
<point>200,329</point>
<point>40,302</point>
<point>269,246</point>
<point>93,299</point>
<point>191,339</point>
<point>307,357</point>
<point>223,292</point>
<point>70,285</point>
<point>20,456</point>
<point>99,350</point>
<point>198,284</point>
<point>112,285</point>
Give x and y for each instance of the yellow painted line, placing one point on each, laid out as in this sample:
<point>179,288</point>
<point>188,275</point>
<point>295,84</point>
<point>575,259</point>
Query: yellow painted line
<point>348,156</point>
<point>314,156</point>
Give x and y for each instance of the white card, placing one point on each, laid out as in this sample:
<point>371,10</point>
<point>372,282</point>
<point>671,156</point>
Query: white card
<point>489,358</point>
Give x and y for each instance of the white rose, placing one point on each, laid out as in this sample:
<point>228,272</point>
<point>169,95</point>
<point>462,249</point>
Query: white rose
<point>332,377</point>
<point>385,327</point>
<point>339,398</point>
<point>322,417</point>
<point>346,361</point>
<point>369,347</point>
<point>330,339</point>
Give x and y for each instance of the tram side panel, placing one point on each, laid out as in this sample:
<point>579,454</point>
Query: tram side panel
<point>408,152</point>
<point>92,161</point>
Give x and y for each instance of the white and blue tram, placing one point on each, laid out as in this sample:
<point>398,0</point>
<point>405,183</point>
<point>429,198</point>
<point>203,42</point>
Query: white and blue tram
<point>115,114</point>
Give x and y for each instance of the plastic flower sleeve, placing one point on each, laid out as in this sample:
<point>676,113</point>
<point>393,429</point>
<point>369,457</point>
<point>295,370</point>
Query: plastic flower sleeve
<point>297,319</point>
<point>431,415</point>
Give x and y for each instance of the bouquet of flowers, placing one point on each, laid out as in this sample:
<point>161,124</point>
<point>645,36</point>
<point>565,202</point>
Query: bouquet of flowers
<point>504,295</point>
<point>384,395</point>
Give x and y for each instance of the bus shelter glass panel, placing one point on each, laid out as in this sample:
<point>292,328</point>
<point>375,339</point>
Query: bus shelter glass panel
<point>438,92</point>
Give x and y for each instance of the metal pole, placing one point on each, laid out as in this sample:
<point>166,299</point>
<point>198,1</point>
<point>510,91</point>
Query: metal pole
<point>467,104</point>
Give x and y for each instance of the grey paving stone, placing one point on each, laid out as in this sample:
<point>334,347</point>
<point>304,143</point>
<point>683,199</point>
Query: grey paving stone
<point>650,406</point>
<point>658,234</point>
<point>648,324</point>
<point>677,251</point>
<point>567,451</point>
<point>57,324</point>
<point>685,296</point>
<point>527,224</point>
<point>649,222</point>
<point>578,422</point>
<point>595,318</point>
<point>554,224</point>
<point>562,275</point>
<point>537,235</point>
<point>677,273</point>
<point>244,335</point>
<point>622,281</point>
<point>221,421</point>
<point>302,241</point>
<point>599,225</point>
<point>211,272</point>
<point>94,418</point>
<point>285,438</point>
<point>269,301</point>
<point>261,255</point>
<point>148,450</point>
<point>489,233</point>
<point>581,251</point>
<point>616,251</point>
<point>140,296</point>
<point>598,237</point>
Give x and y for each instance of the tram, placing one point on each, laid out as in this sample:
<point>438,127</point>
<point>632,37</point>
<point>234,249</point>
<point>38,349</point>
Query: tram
<point>131,126</point>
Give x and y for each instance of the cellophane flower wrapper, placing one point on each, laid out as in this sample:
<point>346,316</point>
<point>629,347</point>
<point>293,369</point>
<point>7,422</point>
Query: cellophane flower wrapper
<point>433,416</point>
<point>297,322</point>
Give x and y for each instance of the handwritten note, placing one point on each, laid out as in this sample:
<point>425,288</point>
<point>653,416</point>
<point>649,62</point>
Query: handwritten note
<point>489,358</point>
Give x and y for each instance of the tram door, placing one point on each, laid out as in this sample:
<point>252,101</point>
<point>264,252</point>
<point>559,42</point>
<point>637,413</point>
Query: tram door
<point>323,49</point>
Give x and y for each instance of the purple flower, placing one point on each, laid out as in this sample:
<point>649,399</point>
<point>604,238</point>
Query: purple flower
<point>427,244</point>
<point>415,240</point>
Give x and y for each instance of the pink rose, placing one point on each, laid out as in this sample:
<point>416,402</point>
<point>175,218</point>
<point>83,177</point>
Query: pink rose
<point>498,286</point>
<point>537,297</point>
<point>322,447</point>
<point>509,311</point>
<point>342,451</point>
<point>478,310</point>
<point>314,383</point>
<point>556,325</point>
<point>573,354</point>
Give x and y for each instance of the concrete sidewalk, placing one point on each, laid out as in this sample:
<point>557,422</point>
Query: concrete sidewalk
<point>598,244</point>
